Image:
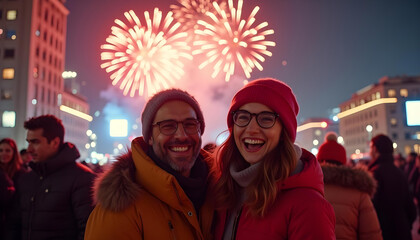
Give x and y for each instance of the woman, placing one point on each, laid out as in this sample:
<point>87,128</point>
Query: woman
<point>10,160</point>
<point>349,191</point>
<point>269,188</point>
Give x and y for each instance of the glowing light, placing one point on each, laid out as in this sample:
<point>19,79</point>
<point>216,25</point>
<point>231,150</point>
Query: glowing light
<point>366,106</point>
<point>76,113</point>
<point>394,145</point>
<point>369,128</point>
<point>357,151</point>
<point>89,132</point>
<point>118,128</point>
<point>340,140</point>
<point>311,125</point>
<point>314,151</point>
<point>145,58</point>
<point>231,41</point>
<point>69,74</point>
<point>315,142</point>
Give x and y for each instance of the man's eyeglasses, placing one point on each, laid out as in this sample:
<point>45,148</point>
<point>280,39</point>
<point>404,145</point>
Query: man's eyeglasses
<point>169,127</point>
<point>264,119</point>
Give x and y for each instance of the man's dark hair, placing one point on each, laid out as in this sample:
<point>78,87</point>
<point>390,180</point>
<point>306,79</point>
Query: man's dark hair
<point>51,125</point>
<point>383,144</point>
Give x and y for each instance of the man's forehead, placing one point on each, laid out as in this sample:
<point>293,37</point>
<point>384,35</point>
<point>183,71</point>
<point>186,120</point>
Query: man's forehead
<point>177,110</point>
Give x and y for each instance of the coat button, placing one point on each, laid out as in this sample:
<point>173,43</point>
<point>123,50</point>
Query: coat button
<point>41,177</point>
<point>190,214</point>
<point>32,199</point>
<point>46,190</point>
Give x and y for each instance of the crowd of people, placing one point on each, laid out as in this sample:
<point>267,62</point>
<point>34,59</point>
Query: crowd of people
<point>258,184</point>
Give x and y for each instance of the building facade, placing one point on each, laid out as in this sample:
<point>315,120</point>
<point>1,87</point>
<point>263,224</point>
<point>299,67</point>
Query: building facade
<point>389,107</point>
<point>32,54</point>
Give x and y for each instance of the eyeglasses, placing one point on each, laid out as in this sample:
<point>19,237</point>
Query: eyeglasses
<point>265,119</point>
<point>169,127</point>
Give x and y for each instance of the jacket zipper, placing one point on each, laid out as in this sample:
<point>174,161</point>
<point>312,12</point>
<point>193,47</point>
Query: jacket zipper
<point>171,227</point>
<point>235,224</point>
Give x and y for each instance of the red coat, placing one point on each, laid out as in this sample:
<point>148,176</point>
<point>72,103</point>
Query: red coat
<point>300,211</point>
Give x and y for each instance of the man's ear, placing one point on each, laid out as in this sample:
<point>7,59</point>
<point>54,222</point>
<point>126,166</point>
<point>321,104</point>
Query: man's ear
<point>56,142</point>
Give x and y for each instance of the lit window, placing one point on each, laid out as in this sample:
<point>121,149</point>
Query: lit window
<point>8,119</point>
<point>404,92</point>
<point>8,73</point>
<point>11,34</point>
<point>6,94</point>
<point>9,53</point>
<point>378,95</point>
<point>11,15</point>
<point>393,122</point>
<point>391,93</point>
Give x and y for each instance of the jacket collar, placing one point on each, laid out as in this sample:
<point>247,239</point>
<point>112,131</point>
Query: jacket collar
<point>67,155</point>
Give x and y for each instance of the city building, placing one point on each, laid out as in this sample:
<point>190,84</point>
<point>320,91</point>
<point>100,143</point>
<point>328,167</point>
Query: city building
<point>32,54</point>
<point>390,107</point>
<point>311,133</point>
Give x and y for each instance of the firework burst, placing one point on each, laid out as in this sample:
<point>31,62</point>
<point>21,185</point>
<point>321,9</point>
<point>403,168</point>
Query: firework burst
<point>230,40</point>
<point>145,58</point>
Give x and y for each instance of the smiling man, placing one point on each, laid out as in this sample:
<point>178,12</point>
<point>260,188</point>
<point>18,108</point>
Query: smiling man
<point>158,190</point>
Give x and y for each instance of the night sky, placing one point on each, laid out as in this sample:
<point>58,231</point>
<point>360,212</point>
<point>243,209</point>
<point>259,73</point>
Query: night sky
<point>332,48</point>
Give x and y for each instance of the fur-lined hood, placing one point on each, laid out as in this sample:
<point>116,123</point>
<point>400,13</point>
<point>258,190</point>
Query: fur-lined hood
<point>348,177</point>
<point>116,188</point>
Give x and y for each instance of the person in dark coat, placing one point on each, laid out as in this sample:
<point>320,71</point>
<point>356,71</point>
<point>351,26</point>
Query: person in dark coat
<point>6,193</point>
<point>54,199</point>
<point>392,200</point>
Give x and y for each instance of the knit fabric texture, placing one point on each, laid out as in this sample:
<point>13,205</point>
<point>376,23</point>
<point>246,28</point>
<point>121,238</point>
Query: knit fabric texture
<point>331,150</point>
<point>160,98</point>
<point>273,93</point>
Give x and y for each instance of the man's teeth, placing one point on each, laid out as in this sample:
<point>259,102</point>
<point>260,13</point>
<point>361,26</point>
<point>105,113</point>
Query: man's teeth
<point>179,149</point>
<point>253,141</point>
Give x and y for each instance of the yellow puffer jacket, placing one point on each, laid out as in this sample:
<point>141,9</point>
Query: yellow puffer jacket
<point>136,199</point>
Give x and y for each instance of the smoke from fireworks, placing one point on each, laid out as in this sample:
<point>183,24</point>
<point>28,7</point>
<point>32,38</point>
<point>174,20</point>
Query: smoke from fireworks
<point>230,40</point>
<point>145,58</point>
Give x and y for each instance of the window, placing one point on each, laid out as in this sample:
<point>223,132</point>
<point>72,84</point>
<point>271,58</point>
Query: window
<point>403,92</point>
<point>11,34</point>
<point>391,93</point>
<point>378,95</point>
<point>8,73</point>
<point>8,119</point>
<point>11,15</point>
<point>393,122</point>
<point>9,53</point>
<point>6,94</point>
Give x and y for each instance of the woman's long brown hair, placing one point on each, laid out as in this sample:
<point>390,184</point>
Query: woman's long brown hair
<point>16,163</point>
<point>262,192</point>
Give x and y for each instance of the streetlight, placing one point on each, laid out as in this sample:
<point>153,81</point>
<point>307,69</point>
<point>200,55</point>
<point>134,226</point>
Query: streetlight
<point>369,129</point>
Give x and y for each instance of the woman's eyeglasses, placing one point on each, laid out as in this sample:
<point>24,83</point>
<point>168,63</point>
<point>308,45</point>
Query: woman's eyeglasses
<point>265,119</point>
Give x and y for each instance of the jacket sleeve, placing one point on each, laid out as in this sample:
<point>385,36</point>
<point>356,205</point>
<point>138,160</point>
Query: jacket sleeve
<point>82,201</point>
<point>368,223</point>
<point>108,225</point>
<point>313,220</point>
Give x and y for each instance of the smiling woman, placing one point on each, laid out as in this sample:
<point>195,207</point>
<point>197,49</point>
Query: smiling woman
<point>266,180</point>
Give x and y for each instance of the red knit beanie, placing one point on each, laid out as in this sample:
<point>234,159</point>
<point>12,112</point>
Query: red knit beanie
<point>273,93</point>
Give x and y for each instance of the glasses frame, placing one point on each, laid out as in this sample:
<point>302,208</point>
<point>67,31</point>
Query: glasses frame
<point>276,115</point>
<point>177,124</point>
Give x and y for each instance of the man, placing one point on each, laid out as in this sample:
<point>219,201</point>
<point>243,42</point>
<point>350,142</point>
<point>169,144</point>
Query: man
<point>55,197</point>
<point>392,200</point>
<point>26,158</point>
<point>158,190</point>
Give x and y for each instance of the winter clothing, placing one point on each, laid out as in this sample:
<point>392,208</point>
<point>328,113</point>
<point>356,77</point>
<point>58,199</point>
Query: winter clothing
<point>330,150</point>
<point>161,98</point>
<point>55,197</point>
<point>273,93</point>
<point>7,190</point>
<point>137,199</point>
<point>299,212</point>
<point>349,190</point>
<point>392,201</point>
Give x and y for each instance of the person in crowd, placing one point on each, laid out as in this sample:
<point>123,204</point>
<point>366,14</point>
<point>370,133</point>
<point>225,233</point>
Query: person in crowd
<point>269,188</point>
<point>26,158</point>
<point>6,193</point>
<point>54,200</point>
<point>349,190</point>
<point>393,203</point>
<point>331,150</point>
<point>409,166</point>
<point>158,190</point>
<point>415,180</point>
<point>399,161</point>
<point>10,160</point>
